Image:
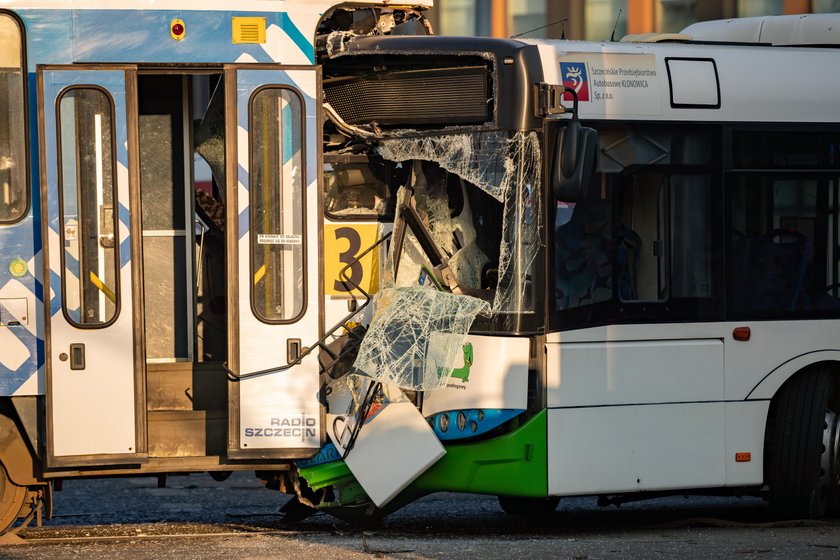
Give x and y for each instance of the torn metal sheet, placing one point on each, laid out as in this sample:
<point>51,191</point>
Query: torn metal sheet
<point>392,450</point>
<point>392,429</point>
<point>433,188</point>
<point>337,41</point>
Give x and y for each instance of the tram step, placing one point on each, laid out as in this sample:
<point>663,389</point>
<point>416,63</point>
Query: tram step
<point>186,386</point>
<point>194,433</point>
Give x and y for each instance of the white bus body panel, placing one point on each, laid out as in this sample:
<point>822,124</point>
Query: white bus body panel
<point>498,378</point>
<point>746,422</point>
<point>794,29</point>
<point>627,384</point>
<point>624,414</point>
<point>631,81</point>
<point>633,448</point>
<point>634,372</point>
<point>776,350</point>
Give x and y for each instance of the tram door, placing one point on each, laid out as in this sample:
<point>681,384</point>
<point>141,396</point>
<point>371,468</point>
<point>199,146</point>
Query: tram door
<point>274,296</point>
<point>94,346</point>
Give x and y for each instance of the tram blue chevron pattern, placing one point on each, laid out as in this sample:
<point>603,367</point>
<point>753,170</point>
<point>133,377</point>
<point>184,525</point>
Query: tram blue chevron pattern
<point>17,242</point>
<point>245,89</point>
<point>125,245</point>
<point>63,36</point>
<point>297,37</point>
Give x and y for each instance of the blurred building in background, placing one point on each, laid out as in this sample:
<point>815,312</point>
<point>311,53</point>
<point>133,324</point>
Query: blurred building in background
<point>595,19</point>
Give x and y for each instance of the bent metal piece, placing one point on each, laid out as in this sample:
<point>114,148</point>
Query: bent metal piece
<point>407,216</point>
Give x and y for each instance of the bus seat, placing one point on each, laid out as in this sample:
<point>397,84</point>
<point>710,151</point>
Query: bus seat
<point>583,256</point>
<point>769,271</point>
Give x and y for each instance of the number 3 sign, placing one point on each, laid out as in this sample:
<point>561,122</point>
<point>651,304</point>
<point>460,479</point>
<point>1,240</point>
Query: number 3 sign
<point>342,246</point>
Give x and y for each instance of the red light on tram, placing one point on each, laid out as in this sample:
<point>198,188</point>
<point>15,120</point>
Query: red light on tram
<point>741,334</point>
<point>177,29</point>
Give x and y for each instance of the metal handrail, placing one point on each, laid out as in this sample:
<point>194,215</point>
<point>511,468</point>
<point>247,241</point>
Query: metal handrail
<point>321,343</point>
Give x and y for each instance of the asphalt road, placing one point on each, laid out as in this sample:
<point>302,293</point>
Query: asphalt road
<point>195,517</point>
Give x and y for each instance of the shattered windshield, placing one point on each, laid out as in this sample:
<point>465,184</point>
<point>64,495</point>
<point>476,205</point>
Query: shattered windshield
<point>465,243</point>
<point>493,239</point>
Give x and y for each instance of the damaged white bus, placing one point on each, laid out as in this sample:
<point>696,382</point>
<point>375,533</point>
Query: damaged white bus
<point>371,264</point>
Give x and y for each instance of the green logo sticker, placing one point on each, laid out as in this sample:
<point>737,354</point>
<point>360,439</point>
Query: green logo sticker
<point>463,372</point>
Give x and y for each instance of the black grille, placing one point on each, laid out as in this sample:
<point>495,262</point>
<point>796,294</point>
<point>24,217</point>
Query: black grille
<point>413,97</point>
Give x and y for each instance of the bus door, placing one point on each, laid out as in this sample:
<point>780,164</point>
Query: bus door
<point>273,206</point>
<point>90,229</point>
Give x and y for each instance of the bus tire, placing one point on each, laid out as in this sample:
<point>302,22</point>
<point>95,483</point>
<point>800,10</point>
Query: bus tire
<point>803,467</point>
<point>528,506</point>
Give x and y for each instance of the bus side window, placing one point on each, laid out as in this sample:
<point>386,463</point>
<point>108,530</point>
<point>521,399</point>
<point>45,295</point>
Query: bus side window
<point>784,241</point>
<point>90,277</point>
<point>643,243</point>
<point>13,189</point>
<point>663,237</point>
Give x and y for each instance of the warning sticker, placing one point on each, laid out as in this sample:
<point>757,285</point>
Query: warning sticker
<point>71,230</point>
<point>279,239</point>
<point>613,84</point>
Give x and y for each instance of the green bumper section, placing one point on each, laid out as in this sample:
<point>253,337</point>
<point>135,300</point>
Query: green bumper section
<point>515,464</point>
<point>321,476</point>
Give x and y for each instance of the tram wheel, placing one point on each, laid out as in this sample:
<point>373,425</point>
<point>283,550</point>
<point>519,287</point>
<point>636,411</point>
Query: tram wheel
<point>12,500</point>
<point>803,469</point>
<point>528,506</point>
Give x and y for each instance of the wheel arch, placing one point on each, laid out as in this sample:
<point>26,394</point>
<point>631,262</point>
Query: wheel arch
<point>768,387</point>
<point>15,454</point>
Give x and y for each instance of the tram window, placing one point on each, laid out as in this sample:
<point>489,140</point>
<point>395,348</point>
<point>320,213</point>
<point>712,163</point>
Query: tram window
<point>277,212</point>
<point>13,189</point>
<point>88,201</point>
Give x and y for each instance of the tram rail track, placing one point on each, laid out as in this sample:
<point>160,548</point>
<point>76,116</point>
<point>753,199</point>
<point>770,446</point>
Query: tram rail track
<point>29,537</point>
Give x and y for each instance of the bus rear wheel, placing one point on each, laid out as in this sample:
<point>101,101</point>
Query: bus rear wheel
<point>804,455</point>
<point>528,506</point>
<point>12,500</point>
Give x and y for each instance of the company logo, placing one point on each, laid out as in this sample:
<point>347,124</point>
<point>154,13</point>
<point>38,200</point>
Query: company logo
<point>463,372</point>
<point>302,427</point>
<point>575,77</point>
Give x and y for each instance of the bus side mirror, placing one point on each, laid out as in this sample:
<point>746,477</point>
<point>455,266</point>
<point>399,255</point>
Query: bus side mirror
<point>574,161</point>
